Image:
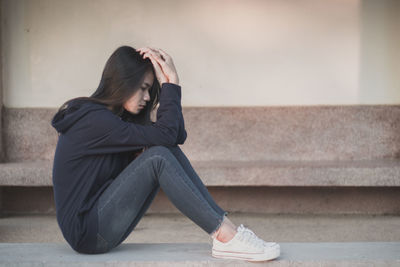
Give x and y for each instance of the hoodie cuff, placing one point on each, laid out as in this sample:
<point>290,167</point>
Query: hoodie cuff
<point>171,91</point>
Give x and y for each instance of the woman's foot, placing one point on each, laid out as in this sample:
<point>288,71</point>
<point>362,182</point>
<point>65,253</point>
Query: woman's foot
<point>245,245</point>
<point>233,242</point>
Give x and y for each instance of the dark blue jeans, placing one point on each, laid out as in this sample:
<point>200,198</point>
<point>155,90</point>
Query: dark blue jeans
<point>127,198</point>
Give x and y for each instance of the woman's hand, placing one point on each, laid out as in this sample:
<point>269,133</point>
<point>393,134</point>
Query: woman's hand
<point>136,154</point>
<point>163,65</point>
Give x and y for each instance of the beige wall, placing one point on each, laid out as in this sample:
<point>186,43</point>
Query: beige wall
<point>380,51</point>
<point>227,53</point>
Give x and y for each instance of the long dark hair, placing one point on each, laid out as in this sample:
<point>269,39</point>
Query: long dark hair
<point>122,76</point>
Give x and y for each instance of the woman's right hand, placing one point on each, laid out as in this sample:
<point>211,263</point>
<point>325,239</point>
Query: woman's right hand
<point>163,64</point>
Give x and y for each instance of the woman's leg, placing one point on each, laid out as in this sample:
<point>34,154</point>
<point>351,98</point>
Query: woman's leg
<point>228,228</point>
<point>187,166</point>
<point>125,201</point>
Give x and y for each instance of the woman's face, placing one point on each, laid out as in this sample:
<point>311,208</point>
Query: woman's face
<point>140,98</point>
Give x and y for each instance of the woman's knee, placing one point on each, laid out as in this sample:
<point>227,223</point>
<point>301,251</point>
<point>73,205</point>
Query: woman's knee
<point>159,150</point>
<point>160,154</point>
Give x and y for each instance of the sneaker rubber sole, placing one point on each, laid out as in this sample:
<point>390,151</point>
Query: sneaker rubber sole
<point>270,253</point>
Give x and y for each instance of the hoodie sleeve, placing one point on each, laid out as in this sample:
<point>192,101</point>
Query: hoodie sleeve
<point>108,133</point>
<point>182,135</point>
<point>182,131</point>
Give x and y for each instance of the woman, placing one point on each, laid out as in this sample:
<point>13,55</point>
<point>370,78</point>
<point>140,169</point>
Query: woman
<point>111,160</point>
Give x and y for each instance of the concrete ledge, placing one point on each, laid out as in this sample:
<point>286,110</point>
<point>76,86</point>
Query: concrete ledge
<point>361,132</point>
<point>199,254</point>
<point>300,173</point>
<point>29,173</point>
<point>382,172</point>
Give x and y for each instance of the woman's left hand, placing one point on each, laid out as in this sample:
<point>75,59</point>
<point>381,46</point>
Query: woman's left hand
<point>162,63</point>
<point>139,152</point>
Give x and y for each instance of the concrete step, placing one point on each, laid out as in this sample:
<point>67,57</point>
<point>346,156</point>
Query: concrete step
<point>199,254</point>
<point>380,172</point>
<point>160,228</point>
<point>371,187</point>
<point>257,199</point>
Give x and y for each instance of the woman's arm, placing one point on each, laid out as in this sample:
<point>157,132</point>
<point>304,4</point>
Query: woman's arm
<point>105,132</point>
<point>182,131</point>
<point>166,72</point>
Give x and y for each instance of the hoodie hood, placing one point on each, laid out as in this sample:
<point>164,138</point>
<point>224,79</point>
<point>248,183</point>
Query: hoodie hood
<point>75,110</point>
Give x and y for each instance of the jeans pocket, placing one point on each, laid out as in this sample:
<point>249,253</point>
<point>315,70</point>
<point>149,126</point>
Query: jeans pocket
<point>102,244</point>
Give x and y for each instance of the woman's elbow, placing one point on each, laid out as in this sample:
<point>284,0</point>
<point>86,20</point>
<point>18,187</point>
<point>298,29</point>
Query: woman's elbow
<point>183,137</point>
<point>171,139</point>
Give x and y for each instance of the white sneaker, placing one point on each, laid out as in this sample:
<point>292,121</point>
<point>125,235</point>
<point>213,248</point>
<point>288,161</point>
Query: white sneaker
<point>245,245</point>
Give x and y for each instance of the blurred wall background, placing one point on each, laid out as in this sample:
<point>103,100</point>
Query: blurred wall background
<point>227,53</point>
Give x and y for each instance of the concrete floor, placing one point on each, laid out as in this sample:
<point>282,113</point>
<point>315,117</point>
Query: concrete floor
<point>176,228</point>
<point>347,254</point>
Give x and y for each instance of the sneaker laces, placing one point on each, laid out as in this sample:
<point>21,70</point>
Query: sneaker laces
<point>242,228</point>
<point>267,244</point>
<point>249,237</point>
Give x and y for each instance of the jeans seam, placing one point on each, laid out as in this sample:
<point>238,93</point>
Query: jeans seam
<point>113,194</point>
<point>103,240</point>
<point>178,150</point>
<point>213,212</point>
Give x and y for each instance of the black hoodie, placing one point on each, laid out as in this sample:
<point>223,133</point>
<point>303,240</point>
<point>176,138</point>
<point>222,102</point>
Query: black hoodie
<point>94,146</point>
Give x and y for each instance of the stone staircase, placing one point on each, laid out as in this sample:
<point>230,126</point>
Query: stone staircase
<point>269,160</point>
<point>319,159</point>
